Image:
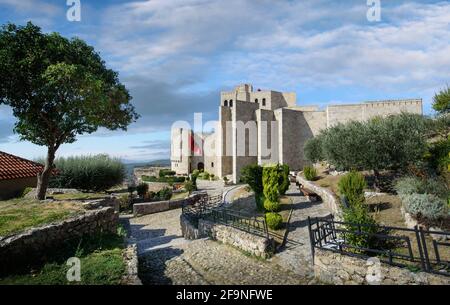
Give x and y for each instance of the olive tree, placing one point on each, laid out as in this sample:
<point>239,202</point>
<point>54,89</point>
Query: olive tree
<point>58,88</point>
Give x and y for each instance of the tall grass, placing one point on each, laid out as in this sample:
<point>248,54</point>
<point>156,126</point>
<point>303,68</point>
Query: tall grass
<point>88,173</point>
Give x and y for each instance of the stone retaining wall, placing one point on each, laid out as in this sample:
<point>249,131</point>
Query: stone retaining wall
<point>145,208</point>
<point>34,245</point>
<point>338,269</point>
<point>328,198</point>
<point>131,261</point>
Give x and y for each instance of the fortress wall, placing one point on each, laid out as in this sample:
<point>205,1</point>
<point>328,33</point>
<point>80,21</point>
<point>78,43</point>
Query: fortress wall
<point>243,112</point>
<point>179,162</point>
<point>361,112</point>
<point>265,138</point>
<point>210,157</point>
<point>298,127</point>
<point>224,159</point>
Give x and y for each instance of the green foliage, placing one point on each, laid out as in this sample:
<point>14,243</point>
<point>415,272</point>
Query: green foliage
<point>392,142</point>
<point>252,175</point>
<point>25,192</point>
<point>414,185</point>
<point>313,149</point>
<point>189,186</point>
<point>166,172</point>
<point>274,221</point>
<point>352,186</point>
<point>310,173</point>
<point>270,186</point>
<point>204,175</point>
<point>58,89</point>
<point>283,180</point>
<point>271,206</point>
<point>358,214</point>
<point>166,179</point>
<point>441,101</point>
<point>88,173</point>
<point>425,205</point>
<point>165,194</point>
<point>142,189</point>
<point>196,172</point>
<point>439,156</point>
<point>408,186</point>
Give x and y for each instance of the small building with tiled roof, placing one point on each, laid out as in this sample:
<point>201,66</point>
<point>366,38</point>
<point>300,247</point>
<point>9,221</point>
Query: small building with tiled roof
<point>16,174</point>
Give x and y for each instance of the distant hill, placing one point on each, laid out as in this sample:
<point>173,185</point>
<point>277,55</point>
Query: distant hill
<point>130,165</point>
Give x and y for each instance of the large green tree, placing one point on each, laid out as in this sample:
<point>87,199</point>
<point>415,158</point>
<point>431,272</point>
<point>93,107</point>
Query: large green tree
<point>392,142</point>
<point>441,101</point>
<point>58,88</point>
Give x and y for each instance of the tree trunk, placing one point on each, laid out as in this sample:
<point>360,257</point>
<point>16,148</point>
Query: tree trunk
<point>44,177</point>
<point>376,182</point>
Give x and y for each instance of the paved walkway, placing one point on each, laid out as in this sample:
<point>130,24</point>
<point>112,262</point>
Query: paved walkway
<point>296,254</point>
<point>167,258</point>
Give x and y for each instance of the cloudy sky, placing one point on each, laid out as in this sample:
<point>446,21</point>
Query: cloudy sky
<point>175,56</point>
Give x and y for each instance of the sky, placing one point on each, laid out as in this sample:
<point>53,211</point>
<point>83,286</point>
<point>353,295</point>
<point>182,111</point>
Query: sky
<point>175,56</point>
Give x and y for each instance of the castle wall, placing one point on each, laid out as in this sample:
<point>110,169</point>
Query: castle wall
<point>362,112</point>
<point>179,160</point>
<point>210,157</point>
<point>243,112</point>
<point>224,153</point>
<point>267,142</point>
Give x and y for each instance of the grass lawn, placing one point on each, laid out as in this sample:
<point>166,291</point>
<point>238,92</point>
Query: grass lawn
<point>101,260</point>
<point>20,214</point>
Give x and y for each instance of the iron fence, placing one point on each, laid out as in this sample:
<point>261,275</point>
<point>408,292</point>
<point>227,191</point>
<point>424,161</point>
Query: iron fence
<point>415,249</point>
<point>211,208</point>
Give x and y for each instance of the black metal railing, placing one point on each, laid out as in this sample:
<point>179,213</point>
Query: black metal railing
<point>211,208</point>
<point>415,249</point>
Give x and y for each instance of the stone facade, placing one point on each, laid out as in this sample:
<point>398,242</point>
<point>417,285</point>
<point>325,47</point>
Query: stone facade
<point>338,269</point>
<point>13,187</point>
<point>266,126</point>
<point>34,245</point>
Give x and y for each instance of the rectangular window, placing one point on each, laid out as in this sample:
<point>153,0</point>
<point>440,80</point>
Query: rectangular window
<point>212,164</point>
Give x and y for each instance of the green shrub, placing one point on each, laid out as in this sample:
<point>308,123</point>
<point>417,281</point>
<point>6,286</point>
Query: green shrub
<point>313,149</point>
<point>204,176</point>
<point>165,194</point>
<point>425,205</point>
<point>142,189</point>
<point>195,172</point>
<point>252,175</point>
<point>88,173</point>
<point>414,185</point>
<point>407,186</point>
<point>124,202</point>
<point>352,186</point>
<point>166,172</point>
<point>166,179</point>
<point>274,221</point>
<point>189,186</point>
<point>25,191</point>
<point>271,206</point>
<point>358,214</point>
<point>310,173</point>
<point>283,180</point>
<point>270,186</point>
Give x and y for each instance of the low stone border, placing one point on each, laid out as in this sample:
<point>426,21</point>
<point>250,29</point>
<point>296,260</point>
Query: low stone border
<point>334,268</point>
<point>131,264</point>
<point>145,208</point>
<point>328,198</point>
<point>101,203</point>
<point>34,245</point>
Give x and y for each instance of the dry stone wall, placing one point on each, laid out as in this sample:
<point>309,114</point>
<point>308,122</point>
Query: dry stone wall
<point>34,245</point>
<point>146,208</point>
<point>338,269</point>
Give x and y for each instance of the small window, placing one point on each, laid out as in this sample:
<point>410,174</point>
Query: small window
<point>264,102</point>
<point>226,103</point>
<point>212,164</point>
<point>256,100</point>
<point>231,103</point>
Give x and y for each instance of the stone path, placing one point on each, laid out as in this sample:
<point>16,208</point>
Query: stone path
<point>296,254</point>
<point>167,258</point>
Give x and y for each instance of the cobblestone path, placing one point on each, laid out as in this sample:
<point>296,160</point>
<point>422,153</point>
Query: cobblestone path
<point>167,258</point>
<point>296,254</point>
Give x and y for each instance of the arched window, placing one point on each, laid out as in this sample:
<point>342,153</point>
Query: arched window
<point>226,103</point>
<point>256,100</point>
<point>264,102</point>
<point>231,103</point>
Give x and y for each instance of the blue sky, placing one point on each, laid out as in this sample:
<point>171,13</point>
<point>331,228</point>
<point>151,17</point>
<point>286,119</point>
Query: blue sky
<point>175,56</point>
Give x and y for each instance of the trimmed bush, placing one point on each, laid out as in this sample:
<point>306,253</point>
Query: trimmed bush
<point>352,186</point>
<point>142,189</point>
<point>270,187</point>
<point>271,206</point>
<point>425,205</point>
<point>88,173</point>
<point>252,175</point>
<point>166,179</point>
<point>166,172</point>
<point>283,180</point>
<point>310,173</point>
<point>274,221</point>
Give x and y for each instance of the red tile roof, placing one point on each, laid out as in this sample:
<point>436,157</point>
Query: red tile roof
<point>13,167</point>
